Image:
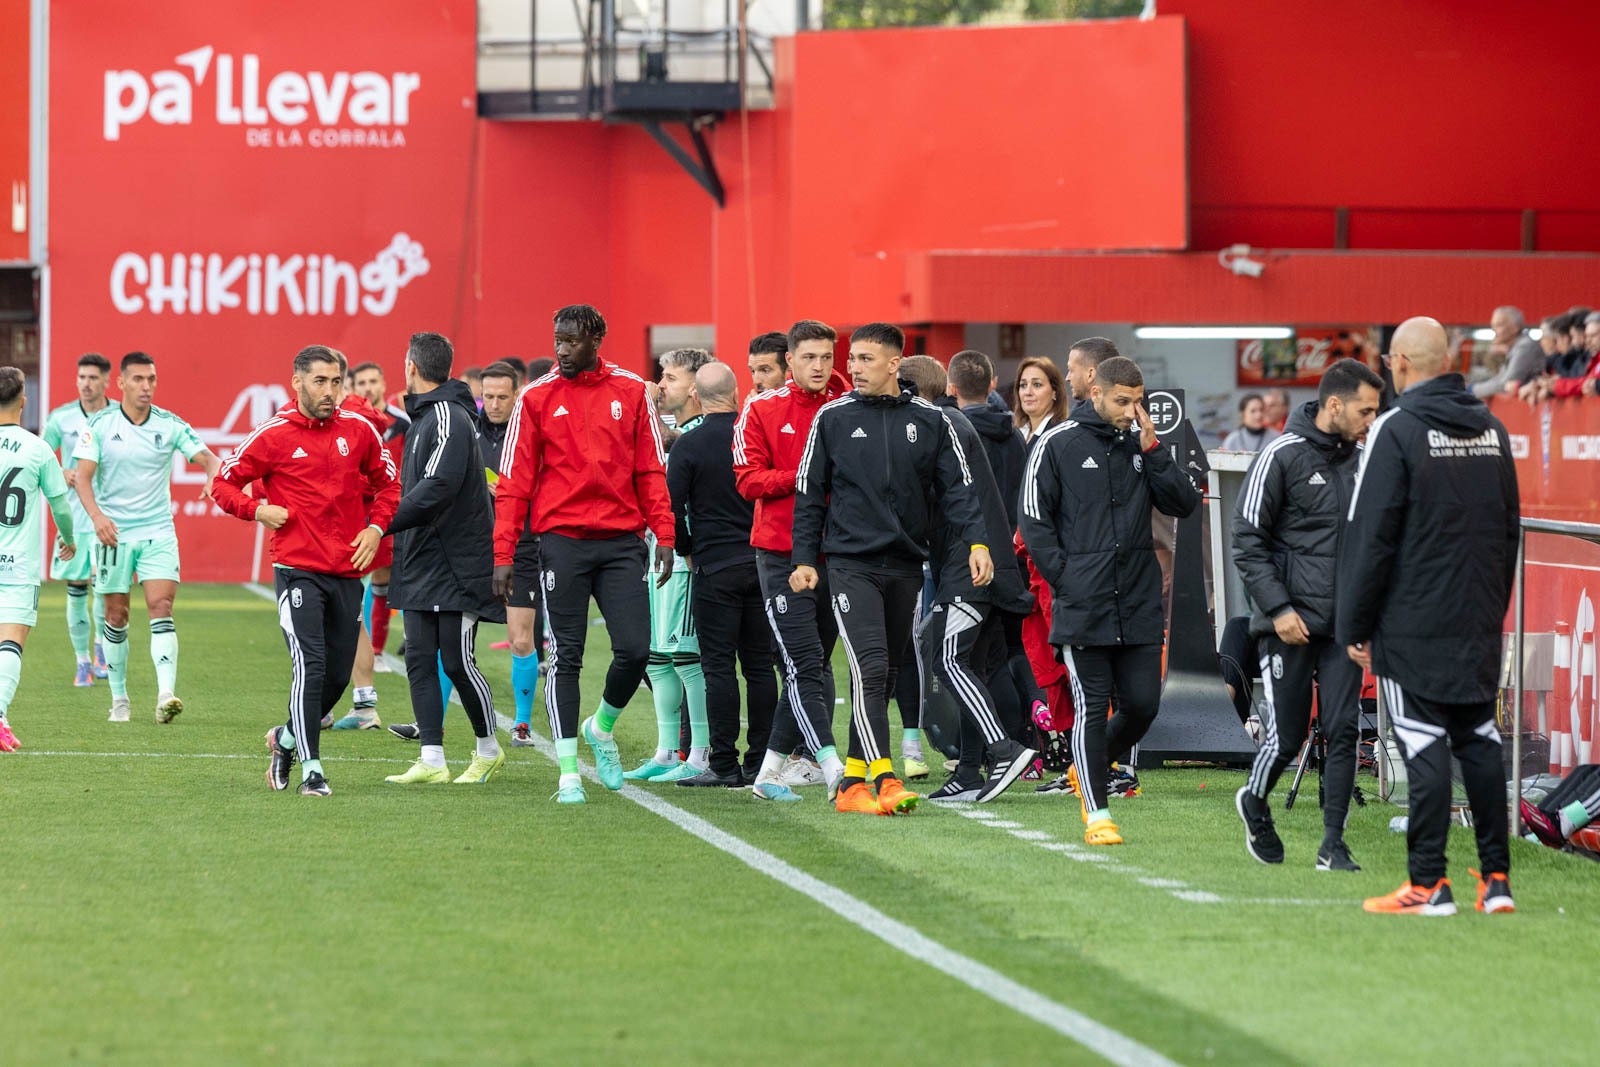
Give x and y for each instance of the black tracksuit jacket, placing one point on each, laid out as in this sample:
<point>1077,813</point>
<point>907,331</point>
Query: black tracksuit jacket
<point>713,520</point>
<point>879,469</point>
<point>444,528</point>
<point>952,571</point>
<point>1086,499</point>
<point>1430,552</point>
<point>1288,521</point>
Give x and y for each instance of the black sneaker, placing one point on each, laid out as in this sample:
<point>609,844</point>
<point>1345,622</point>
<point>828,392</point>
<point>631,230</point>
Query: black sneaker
<point>711,779</point>
<point>280,762</point>
<point>1335,857</point>
<point>1260,836</point>
<point>1122,782</point>
<point>316,786</point>
<point>1007,761</point>
<point>1055,785</point>
<point>405,731</point>
<point>956,791</point>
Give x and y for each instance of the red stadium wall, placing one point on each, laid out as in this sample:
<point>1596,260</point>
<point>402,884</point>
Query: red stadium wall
<point>1436,122</point>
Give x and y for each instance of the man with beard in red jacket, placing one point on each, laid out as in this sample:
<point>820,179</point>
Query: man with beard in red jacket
<point>583,467</point>
<point>318,467</point>
<point>767,442</point>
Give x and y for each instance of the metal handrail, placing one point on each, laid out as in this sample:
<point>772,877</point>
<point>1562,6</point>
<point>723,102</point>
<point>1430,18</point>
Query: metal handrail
<point>1586,531</point>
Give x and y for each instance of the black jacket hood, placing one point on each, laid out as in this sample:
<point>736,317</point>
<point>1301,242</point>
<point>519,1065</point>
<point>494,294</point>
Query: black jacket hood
<point>1303,422</point>
<point>1446,404</point>
<point>992,424</point>
<point>454,389</point>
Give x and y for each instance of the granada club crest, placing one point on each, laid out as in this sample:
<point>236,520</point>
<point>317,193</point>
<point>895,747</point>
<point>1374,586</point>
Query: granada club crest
<point>911,433</point>
<point>344,447</point>
<point>616,410</point>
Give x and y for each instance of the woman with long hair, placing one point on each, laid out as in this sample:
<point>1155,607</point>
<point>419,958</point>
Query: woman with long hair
<point>1041,397</point>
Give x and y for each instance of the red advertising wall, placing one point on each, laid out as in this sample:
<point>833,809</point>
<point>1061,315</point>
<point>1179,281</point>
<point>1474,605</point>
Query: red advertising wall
<point>232,182</point>
<point>15,94</point>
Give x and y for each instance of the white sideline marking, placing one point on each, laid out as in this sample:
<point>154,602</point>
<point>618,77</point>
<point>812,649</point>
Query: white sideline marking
<point>1030,835</point>
<point>1163,883</point>
<point>1096,1037</point>
<point>1197,896</point>
<point>1004,824</point>
<point>209,755</point>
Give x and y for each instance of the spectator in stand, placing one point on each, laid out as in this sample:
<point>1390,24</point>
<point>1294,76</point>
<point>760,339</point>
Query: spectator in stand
<point>1275,409</point>
<point>1253,433</point>
<point>1521,357</point>
<point>1041,397</point>
<point>1587,383</point>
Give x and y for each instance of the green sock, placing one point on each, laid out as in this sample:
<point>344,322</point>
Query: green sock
<point>99,618</point>
<point>78,620</point>
<point>310,767</point>
<point>567,754</point>
<point>116,638</point>
<point>826,753</point>
<point>666,691</point>
<point>1574,817</point>
<point>286,739</point>
<point>1098,814</point>
<point>694,689</point>
<point>164,653</point>
<point>606,717</point>
<point>10,673</point>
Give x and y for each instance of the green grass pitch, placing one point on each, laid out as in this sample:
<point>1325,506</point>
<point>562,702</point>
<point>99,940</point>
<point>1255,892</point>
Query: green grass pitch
<point>159,905</point>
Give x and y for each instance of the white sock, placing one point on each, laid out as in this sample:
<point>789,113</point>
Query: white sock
<point>911,750</point>
<point>833,767</point>
<point>569,780</point>
<point>771,765</point>
<point>433,755</point>
<point>488,747</point>
<point>667,757</point>
<point>699,758</point>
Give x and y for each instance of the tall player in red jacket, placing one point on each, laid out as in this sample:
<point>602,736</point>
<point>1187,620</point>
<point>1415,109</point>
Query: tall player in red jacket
<point>584,468</point>
<point>767,442</point>
<point>318,467</point>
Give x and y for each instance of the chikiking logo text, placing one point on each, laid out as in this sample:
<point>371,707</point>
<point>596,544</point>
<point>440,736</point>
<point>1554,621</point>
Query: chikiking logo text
<point>315,283</point>
<point>288,109</point>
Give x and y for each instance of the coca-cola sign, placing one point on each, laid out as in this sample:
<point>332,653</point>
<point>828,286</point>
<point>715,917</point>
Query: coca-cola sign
<point>1302,364</point>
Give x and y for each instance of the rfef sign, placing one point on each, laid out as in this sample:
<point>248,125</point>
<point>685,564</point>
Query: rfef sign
<point>1166,410</point>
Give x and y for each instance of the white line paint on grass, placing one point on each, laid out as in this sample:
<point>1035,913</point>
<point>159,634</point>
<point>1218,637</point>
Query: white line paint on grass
<point>1098,1038</point>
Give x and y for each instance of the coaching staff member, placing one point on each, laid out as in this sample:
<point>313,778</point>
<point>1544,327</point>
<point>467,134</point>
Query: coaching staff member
<point>443,564</point>
<point>1425,574</point>
<point>317,466</point>
<point>878,467</point>
<point>1086,499</point>
<point>714,523</point>
<point>583,467</point>
<point>1286,543</point>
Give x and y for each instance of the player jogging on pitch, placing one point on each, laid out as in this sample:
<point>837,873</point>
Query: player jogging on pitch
<point>125,482</point>
<point>28,470</point>
<point>61,433</point>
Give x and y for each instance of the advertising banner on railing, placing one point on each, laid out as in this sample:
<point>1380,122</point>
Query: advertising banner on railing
<point>232,182</point>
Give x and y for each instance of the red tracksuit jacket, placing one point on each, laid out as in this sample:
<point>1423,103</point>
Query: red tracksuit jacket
<point>767,442</point>
<point>324,471</point>
<point>582,458</point>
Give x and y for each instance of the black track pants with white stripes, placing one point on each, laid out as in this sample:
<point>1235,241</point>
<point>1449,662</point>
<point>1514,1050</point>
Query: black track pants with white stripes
<point>448,638</point>
<point>611,571</point>
<point>1287,674</point>
<point>320,616</point>
<point>1430,733</point>
<point>874,609</point>
<point>804,630</point>
<point>1127,676</point>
